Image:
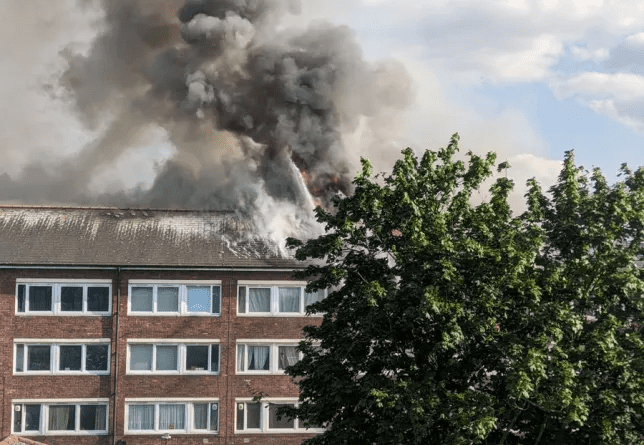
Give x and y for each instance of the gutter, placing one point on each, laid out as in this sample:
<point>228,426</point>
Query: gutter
<point>116,352</point>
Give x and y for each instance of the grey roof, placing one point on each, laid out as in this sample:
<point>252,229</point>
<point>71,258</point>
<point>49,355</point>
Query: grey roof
<point>91,236</point>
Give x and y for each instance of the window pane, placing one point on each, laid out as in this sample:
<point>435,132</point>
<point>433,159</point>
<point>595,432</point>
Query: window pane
<point>289,299</point>
<point>71,298</point>
<point>38,358</point>
<point>216,299</point>
<point>141,299</point>
<point>40,298</point>
<point>98,299</point>
<point>167,358</point>
<point>214,416</point>
<point>214,358</point>
<point>253,412</point>
<point>17,419</point>
<point>201,416</point>
<point>96,358</point>
<point>283,422</point>
<point>20,358</point>
<point>259,358</point>
<point>241,300</point>
<point>141,357</point>
<point>62,417</point>
<point>21,298</point>
<point>93,417</point>
<point>199,299</point>
<point>70,358</point>
<point>240,416</point>
<point>241,366</point>
<point>288,356</point>
<point>172,417</point>
<point>196,358</point>
<point>167,299</point>
<point>141,417</point>
<point>259,299</point>
<point>313,297</point>
<point>32,417</point>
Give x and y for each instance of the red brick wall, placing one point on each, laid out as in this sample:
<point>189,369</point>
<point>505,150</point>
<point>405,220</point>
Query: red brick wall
<point>227,328</point>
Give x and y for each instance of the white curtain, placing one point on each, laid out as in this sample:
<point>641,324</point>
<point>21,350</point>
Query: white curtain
<point>141,299</point>
<point>93,417</point>
<point>313,297</point>
<point>288,356</point>
<point>201,416</point>
<point>141,357</point>
<point>258,357</point>
<point>101,417</point>
<point>20,358</point>
<point>141,417</point>
<point>289,299</point>
<point>241,366</point>
<point>166,358</point>
<point>259,299</point>
<point>172,417</point>
<point>167,299</point>
<point>61,417</point>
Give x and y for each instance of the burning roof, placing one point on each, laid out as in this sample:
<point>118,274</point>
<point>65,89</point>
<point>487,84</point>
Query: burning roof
<point>104,236</point>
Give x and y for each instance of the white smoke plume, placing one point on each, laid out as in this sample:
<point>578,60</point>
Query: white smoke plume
<point>256,113</point>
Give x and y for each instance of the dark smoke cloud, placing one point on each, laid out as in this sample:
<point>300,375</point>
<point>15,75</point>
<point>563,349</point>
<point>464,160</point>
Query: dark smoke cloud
<point>253,111</point>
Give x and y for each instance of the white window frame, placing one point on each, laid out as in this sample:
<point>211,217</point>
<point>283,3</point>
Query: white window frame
<point>44,416</point>
<point>183,297</point>
<point>274,354</point>
<point>264,417</point>
<point>56,296</point>
<point>274,298</point>
<point>181,355</point>
<point>189,413</point>
<point>54,355</point>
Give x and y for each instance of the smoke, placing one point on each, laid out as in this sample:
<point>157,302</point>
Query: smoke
<point>256,113</point>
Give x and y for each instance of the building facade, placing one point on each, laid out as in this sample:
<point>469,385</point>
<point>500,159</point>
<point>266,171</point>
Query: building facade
<point>146,327</point>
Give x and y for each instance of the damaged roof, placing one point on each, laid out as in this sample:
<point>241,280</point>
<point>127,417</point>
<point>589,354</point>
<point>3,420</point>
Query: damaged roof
<point>92,236</point>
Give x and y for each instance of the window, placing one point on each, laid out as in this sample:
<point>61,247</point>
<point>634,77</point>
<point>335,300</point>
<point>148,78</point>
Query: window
<point>73,356</point>
<point>261,357</point>
<point>283,299</point>
<point>173,358</point>
<point>153,417</point>
<point>261,417</point>
<point>65,417</point>
<point>63,298</point>
<point>172,298</point>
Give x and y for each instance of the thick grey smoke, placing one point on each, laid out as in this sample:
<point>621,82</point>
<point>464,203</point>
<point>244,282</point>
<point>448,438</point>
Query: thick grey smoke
<point>256,112</point>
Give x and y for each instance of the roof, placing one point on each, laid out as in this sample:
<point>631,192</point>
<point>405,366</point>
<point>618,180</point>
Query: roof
<point>13,440</point>
<point>103,236</point>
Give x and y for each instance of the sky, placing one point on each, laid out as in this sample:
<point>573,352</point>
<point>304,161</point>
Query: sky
<point>526,79</point>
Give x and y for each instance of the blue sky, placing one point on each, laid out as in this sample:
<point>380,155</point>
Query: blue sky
<point>573,70</point>
<point>527,79</point>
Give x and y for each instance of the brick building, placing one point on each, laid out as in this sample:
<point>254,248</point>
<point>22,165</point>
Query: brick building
<point>128,326</point>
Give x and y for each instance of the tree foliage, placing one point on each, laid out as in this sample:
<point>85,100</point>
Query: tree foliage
<point>454,323</point>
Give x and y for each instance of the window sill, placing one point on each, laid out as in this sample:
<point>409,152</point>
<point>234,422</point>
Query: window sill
<point>62,433</point>
<point>171,373</point>
<point>64,314</point>
<point>171,432</point>
<point>278,314</point>
<point>60,373</point>
<point>171,314</point>
<point>259,432</point>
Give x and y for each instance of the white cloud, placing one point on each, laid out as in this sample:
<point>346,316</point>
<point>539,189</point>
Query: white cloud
<point>619,96</point>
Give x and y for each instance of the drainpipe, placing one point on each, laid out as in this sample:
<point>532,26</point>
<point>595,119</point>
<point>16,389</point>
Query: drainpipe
<point>116,352</point>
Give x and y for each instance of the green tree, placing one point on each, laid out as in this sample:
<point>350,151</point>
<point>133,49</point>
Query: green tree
<point>454,323</point>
